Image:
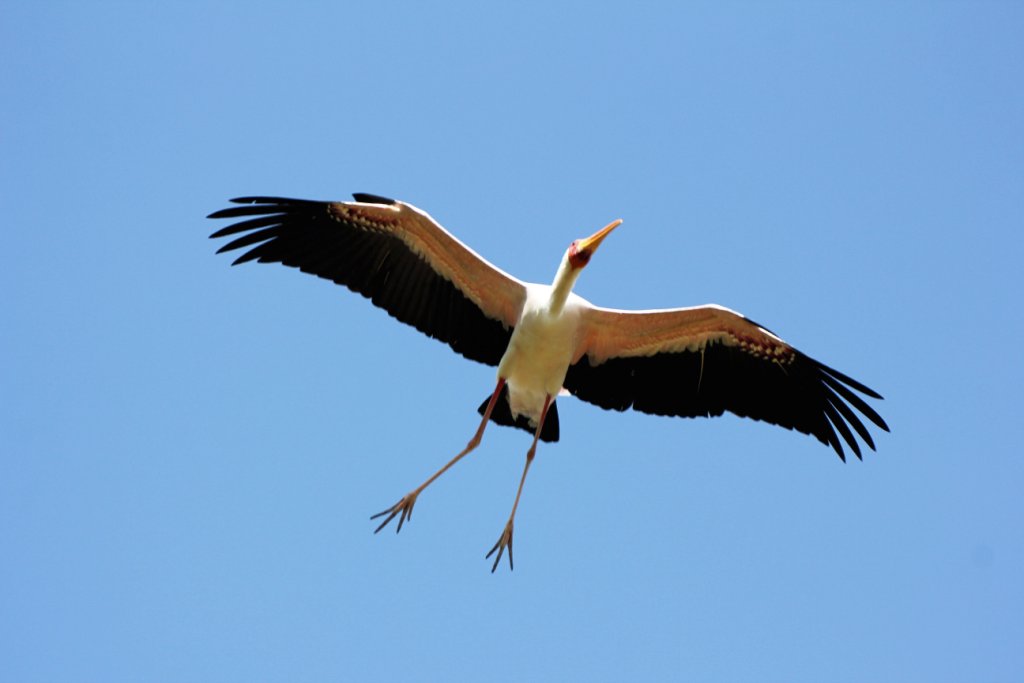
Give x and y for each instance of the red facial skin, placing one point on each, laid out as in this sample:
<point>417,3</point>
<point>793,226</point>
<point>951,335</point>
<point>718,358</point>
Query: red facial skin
<point>577,258</point>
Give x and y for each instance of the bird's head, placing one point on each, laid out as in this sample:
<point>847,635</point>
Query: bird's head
<point>581,250</point>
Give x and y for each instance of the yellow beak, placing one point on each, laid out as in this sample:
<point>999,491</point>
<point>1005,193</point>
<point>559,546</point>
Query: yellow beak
<point>590,244</point>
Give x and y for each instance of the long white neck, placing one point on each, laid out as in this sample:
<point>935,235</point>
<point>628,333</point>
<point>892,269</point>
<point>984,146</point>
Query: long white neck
<point>565,278</point>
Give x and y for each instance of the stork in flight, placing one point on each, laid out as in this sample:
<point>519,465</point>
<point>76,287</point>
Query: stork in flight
<point>690,362</point>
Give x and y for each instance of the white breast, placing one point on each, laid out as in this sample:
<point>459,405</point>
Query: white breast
<point>539,352</point>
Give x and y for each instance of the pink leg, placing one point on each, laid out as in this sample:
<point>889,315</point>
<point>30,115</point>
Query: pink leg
<point>505,540</point>
<point>405,505</point>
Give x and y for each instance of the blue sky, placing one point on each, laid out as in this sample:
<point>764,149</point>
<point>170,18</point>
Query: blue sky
<point>190,452</point>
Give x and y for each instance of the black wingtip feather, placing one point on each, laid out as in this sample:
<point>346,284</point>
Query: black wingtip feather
<point>273,219</point>
<point>830,436</point>
<point>281,201</point>
<point>849,381</point>
<point>850,416</point>
<point>245,258</point>
<point>844,430</point>
<point>368,198</point>
<point>249,238</point>
<point>855,400</point>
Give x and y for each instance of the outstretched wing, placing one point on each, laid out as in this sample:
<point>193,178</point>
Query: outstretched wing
<point>703,361</point>
<point>392,253</point>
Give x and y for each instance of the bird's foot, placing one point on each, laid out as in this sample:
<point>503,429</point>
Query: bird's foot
<point>505,541</point>
<point>403,507</point>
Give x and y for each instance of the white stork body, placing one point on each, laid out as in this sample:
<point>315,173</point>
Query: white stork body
<point>542,345</point>
<point>688,362</point>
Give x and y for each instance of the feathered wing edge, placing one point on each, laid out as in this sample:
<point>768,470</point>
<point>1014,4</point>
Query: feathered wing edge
<point>709,373</point>
<point>380,249</point>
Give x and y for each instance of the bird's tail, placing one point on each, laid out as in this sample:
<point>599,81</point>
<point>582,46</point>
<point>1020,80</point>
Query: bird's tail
<point>502,414</point>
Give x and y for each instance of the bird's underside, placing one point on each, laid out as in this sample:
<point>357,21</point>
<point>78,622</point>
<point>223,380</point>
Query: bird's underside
<point>687,362</point>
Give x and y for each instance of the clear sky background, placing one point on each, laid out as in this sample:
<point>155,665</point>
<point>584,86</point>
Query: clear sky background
<point>190,453</point>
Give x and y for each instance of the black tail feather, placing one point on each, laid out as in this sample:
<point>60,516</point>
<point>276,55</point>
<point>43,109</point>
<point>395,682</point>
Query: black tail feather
<point>502,414</point>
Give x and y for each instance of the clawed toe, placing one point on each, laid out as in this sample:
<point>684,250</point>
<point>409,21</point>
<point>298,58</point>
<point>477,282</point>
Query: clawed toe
<point>505,541</point>
<point>403,507</point>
